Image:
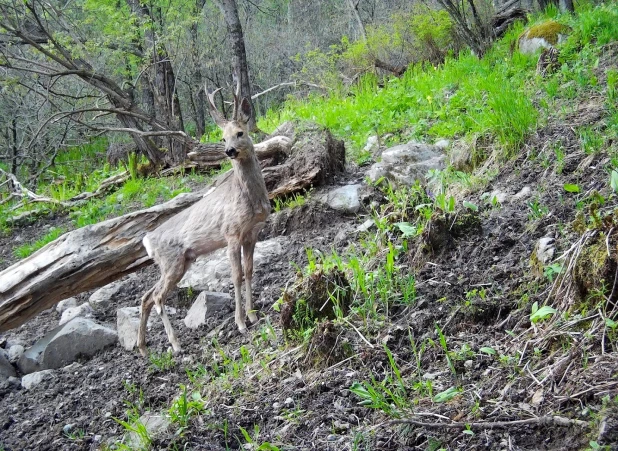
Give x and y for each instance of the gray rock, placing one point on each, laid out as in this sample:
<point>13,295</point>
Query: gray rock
<point>155,425</point>
<point>84,310</point>
<point>407,163</point>
<point>15,352</point>
<point>206,303</point>
<point>65,344</point>
<point>103,297</point>
<point>6,369</point>
<point>67,303</point>
<point>34,379</point>
<point>212,272</point>
<point>345,199</point>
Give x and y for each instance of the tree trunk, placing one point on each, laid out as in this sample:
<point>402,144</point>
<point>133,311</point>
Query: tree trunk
<point>96,255</point>
<point>239,54</point>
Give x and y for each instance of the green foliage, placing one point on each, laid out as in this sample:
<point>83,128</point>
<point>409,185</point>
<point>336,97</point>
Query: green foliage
<point>293,201</point>
<point>25,250</point>
<point>161,361</point>
<point>541,314</point>
<point>184,408</point>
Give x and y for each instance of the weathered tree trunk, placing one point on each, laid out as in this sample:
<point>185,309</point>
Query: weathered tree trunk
<point>98,254</point>
<point>239,54</point>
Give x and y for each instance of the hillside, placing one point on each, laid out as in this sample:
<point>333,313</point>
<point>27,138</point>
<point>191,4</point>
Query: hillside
<point>473,309</point>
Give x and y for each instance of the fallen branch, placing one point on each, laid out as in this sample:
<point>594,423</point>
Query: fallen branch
<point>546,420</point>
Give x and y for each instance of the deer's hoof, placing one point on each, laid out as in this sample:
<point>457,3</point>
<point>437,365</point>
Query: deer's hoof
<point>252,317</point>
<point>143,351</point>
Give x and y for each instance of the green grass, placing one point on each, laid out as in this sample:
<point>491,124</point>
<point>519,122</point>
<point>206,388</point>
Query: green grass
<point>25,250</point>
<point>465,96</point>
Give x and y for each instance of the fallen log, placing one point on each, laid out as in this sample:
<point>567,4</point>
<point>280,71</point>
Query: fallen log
<point>96,255</point>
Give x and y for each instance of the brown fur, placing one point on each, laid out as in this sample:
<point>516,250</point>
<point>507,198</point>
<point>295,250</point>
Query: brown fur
<point>231,215</point>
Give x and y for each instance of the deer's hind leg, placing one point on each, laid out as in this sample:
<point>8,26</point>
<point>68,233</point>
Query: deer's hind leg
<point>146,307</point>
<point>172,271</point>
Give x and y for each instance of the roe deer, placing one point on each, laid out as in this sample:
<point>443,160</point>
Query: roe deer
<point>231,214</point>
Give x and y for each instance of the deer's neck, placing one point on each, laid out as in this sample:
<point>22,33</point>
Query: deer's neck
<point>249,181</point>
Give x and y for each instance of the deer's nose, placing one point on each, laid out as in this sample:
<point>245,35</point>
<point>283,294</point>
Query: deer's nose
<point>231,152</point>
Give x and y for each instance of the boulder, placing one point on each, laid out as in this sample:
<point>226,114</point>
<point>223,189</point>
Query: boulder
<point>33,379</point>
<point>407,163</point>
<point>6,369</point>
<point>542,36</point>
<point>84,310</point>
<point>206,303</point>
<point>213,273</point>
<point>67,303</point>
<point>345,199</point>
<point>80,337</point>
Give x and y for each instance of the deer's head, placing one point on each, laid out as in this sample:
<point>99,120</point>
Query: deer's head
<point>238,144</point>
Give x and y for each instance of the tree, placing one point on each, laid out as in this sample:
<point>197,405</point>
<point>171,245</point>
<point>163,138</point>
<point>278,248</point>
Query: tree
<point>229,10</point>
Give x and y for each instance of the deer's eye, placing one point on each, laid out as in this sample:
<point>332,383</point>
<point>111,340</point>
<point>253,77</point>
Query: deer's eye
<point>222,140</point>
<point>239,134</point>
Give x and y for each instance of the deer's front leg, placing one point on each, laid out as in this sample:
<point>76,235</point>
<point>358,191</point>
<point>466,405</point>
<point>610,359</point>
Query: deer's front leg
<point>247,253</point>
<point>233,253</point>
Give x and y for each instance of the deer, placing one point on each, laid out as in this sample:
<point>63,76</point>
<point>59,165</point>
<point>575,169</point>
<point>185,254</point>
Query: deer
<point>230,214</point>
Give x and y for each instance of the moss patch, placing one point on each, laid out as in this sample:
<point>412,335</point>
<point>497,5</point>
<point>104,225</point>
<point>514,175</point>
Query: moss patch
<point>550,31</point>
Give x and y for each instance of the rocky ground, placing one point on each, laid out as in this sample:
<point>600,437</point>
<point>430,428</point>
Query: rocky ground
<point>469,329</point>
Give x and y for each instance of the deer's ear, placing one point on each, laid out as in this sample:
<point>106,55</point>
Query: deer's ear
<point>245,110</point>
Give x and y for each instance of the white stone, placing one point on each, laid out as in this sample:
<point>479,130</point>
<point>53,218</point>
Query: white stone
<point>80,337</point>
<point>155,425</point>
<point>529,46</point>
<point>545,250</point>
<point>34,379</point>
<point>67,303</point>
<point>345,199</point>
<point>207,302</point>
<point>15,352</point>
<point>523,193</point>
<point>366,226</point>
<point>213,273</point>
<point>84,310</point>
<point>372,144</point>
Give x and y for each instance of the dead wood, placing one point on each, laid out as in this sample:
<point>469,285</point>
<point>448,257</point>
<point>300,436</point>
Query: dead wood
<point>98,254</point>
